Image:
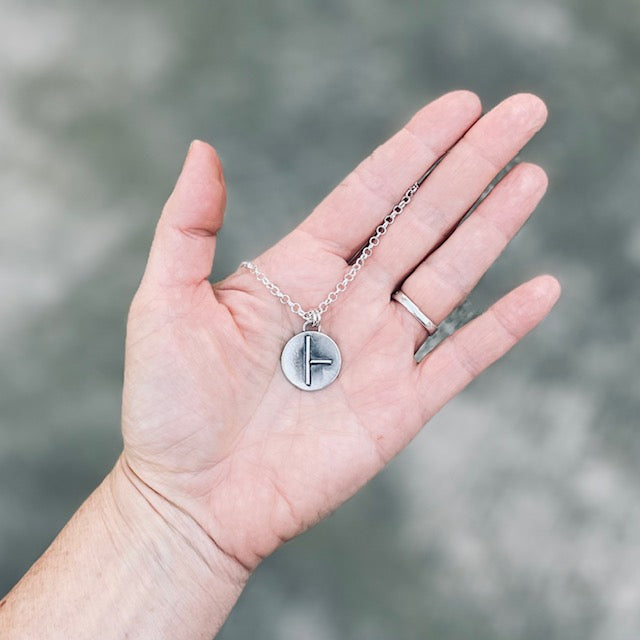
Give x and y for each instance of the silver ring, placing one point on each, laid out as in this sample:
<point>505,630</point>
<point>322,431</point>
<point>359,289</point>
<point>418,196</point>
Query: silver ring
<point>414,310</point>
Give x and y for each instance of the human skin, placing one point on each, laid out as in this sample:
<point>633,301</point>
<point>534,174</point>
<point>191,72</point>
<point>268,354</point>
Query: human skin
<point>223,459</point>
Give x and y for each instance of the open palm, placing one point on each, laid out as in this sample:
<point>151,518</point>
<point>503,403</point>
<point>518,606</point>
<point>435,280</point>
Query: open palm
<point>209,420</point>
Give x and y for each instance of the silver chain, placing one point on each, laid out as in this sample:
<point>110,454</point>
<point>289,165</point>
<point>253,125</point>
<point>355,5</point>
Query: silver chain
<point>313,316</point>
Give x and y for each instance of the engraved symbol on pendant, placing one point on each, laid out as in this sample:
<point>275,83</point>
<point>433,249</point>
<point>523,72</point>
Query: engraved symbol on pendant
<point>311,360</point>
<point>308,360</point>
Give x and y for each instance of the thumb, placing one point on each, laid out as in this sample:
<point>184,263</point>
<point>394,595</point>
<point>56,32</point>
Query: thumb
<point>185,238</point>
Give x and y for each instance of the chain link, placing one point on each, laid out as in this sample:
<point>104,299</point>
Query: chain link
<point>313,316</point>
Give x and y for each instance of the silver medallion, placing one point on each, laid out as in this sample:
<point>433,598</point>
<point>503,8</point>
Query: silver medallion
<point>311,360</point>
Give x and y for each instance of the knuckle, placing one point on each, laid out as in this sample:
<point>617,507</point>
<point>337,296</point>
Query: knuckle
<point>465,358</point>
<point>373,181</point>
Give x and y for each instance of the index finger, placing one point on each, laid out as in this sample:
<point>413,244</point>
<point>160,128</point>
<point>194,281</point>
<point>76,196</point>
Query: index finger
<point>343,220</point>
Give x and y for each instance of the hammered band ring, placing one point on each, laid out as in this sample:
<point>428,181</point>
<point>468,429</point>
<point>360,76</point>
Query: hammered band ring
<point>414,310</point>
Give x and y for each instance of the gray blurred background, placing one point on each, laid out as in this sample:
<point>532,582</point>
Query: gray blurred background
<point>515,513</point>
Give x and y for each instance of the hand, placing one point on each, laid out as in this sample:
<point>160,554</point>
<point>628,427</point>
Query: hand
<point>210,423</point>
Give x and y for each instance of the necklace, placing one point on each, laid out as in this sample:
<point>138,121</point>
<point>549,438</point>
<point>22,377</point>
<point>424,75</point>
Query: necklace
<point>311,360</point>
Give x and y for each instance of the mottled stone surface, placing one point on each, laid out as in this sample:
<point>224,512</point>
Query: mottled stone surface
<point>515,513</point>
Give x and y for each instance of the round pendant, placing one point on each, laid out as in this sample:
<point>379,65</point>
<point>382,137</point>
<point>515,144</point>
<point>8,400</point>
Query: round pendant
<point>311,360</point>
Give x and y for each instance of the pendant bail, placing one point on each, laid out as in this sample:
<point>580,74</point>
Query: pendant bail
<point>313,319</point>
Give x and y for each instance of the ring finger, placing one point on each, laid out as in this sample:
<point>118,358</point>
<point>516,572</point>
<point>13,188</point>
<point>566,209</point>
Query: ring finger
<point>445,278</point>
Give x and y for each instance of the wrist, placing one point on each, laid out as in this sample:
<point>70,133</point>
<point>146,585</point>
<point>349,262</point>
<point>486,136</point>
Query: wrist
<point>128,564</point>
<point>175,562</point>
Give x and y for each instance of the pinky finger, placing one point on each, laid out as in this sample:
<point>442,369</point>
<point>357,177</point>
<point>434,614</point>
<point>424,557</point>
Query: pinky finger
<point>470,350</point>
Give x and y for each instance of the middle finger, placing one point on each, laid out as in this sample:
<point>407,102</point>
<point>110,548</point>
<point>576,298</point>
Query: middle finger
<point>455,185</point>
